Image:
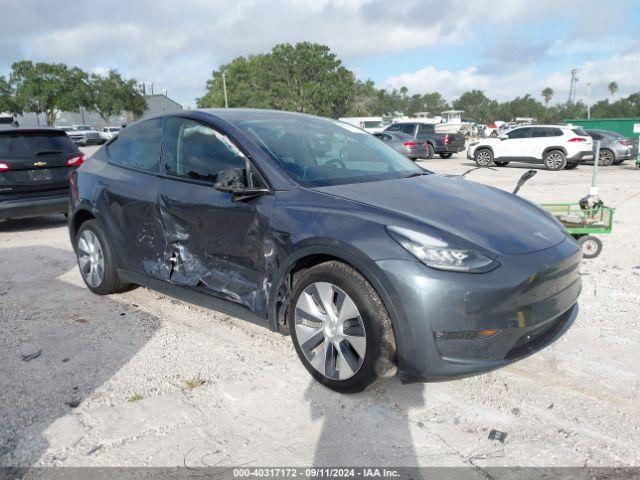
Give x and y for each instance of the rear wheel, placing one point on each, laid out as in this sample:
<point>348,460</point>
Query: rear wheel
<point>555,160</point>
<point>501,164</point>
<point>96,260</point>
<point>428,151</point>
<point>483,157</point>
<point>339,327</point>
<point>606,158</point>
<point>591,246</point>
<point>445,155</point>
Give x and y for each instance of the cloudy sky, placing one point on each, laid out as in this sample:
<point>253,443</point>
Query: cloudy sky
<point>505,48</point>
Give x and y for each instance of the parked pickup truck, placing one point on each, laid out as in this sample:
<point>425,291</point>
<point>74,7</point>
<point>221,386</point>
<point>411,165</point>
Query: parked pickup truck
<point>444,144</point>
<point>83,134</point>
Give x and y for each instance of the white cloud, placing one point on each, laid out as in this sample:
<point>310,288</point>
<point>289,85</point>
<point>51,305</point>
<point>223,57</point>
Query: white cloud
<point>177,44</point>
<point>623,69</point>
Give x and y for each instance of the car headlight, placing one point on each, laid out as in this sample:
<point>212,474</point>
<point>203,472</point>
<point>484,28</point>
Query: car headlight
<point>438,254</point>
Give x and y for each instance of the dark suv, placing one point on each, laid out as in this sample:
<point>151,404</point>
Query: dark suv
<point>444,144</point>
<point>325,232</point>
<point>34,171</point>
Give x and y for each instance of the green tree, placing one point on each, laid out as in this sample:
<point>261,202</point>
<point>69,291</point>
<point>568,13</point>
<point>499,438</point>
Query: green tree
<point>111,95</point>
<point>306,77</point>
<point>476,105</point>
<point>48,88</point>
<point>7,98</point>
<point>547,94</point>
<point>613,88</point>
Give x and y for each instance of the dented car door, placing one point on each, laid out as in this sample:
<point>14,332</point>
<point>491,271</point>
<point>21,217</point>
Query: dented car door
<point>213,243</point>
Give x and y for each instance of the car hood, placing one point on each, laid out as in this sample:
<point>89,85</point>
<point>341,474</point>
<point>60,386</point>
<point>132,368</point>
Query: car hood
<point>490,218</point>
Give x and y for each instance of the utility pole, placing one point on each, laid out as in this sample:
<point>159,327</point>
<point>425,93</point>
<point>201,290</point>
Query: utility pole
<point>588,100</point>
<point>572,88</point>
<point>224,87</point>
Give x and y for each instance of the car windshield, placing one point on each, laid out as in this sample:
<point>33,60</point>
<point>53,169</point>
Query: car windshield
<point>84,127</point>
<point>318,152</point>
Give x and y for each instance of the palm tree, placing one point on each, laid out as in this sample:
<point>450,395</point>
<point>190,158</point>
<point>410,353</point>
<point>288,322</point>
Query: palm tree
<point>613,88</point>
<point>547,94</point>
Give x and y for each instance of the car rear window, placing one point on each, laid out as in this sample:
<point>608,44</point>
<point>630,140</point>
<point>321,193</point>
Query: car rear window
<point>581,132</point>
<point>28,144</point>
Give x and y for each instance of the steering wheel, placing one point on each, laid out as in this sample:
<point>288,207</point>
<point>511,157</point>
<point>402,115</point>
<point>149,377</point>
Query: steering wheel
<point>336,163</point>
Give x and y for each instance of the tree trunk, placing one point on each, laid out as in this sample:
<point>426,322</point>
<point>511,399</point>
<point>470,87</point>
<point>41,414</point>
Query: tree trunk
<point>51,117</point>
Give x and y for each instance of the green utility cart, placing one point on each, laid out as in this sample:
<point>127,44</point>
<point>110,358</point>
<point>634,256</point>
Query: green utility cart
<point>583,224</point>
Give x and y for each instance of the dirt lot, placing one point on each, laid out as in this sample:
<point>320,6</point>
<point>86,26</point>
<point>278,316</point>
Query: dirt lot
<point>143,379</point>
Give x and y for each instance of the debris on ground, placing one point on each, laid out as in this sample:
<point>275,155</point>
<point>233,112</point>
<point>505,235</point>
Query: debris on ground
<point>31,356</point>
<point>497,435</point>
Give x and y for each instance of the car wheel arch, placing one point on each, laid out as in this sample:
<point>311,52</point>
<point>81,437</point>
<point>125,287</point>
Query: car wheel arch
<point>485,147</point>
<point>79,217</point>
<point>308,257</point>
<point>550,149</point>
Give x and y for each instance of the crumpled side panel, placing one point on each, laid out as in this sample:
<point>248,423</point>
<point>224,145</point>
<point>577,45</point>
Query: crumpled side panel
<point>227,252</point>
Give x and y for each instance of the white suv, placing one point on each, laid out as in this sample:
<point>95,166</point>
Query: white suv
<point>555,146</point>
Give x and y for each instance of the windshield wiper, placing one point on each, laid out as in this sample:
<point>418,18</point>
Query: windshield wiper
<point>416,174</point>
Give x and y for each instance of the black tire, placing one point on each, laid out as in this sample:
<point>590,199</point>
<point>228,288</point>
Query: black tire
<point>591,246</point>
<point>379,357</point>
<point>606,158</point>
<point>483,157</point>
<point>571,166</point>
<point>110,283</point>
<point>555,160</point>
<point>501,164</point>
<point>445,155</point>
<point>428,151</point>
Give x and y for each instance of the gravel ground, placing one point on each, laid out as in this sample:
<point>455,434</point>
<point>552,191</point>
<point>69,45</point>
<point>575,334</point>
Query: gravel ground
<point>140,379</point>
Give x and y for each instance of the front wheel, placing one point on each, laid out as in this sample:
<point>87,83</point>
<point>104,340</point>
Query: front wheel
<point>483,157</point>
<point>555,160</point>
<point>339,327</point>
<point>96,260</point>
<point>445,155</point>
<point>591,246</point>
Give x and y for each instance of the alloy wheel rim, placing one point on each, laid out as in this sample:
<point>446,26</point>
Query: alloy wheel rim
<point>554,160</point>
<point>330,331</point>
<point>605,158</point>
<point>483,158</point>
<point>589,247</point>
<point>90,258</point>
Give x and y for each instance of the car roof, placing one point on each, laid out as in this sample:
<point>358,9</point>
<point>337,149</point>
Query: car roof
<point>32,129</point>
<point>542,125</point>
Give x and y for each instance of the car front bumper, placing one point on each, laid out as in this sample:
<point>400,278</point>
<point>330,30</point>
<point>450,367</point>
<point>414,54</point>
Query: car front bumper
<point>531,300</point>
<point>34,206</point>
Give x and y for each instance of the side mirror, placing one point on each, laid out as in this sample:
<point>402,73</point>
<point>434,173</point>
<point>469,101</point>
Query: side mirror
<point>235,182</point>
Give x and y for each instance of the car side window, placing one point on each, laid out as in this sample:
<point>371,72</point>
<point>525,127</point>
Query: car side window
<point>198,152</point>
<point>408,128</point>
<point>138,146</point>
<point>554,132</point>
<point>395,127</point>
<point>519,133</point>
<point>540,132</point>
<point>426,128</point>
